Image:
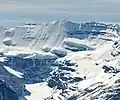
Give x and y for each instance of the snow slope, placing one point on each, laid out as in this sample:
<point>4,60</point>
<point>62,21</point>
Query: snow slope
<point>39,91</point>
<point>101,71</point>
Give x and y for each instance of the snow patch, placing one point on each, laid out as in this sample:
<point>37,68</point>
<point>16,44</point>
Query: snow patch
<point>38,91</point>
<point>16,73</point>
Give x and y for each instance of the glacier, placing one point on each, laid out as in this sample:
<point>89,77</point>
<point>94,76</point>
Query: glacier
<point>62,60</point>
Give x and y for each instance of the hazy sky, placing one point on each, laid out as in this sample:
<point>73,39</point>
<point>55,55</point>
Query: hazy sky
<point>21,11</point>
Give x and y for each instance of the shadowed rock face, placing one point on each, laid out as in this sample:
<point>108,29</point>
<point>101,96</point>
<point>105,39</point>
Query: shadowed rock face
<point>36,70</point>
<point>6,93</point>
<point>11,87</point>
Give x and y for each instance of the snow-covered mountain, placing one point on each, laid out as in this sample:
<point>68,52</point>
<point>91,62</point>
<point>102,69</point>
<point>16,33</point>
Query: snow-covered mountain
<point>57,34</point>
<point>63,60</point>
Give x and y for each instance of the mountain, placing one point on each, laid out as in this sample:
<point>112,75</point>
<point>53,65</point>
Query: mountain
<point>56,34</point>
<point>63,59</point>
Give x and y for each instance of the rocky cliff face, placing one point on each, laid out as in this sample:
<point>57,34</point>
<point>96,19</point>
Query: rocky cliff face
<point>11,87</point>
<point>6,93</point>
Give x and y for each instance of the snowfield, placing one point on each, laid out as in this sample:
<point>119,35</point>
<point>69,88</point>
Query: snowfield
<point>39,91</point>
<point>64,60</point>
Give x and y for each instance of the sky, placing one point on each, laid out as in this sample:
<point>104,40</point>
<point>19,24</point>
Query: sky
<point>15,12</point>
